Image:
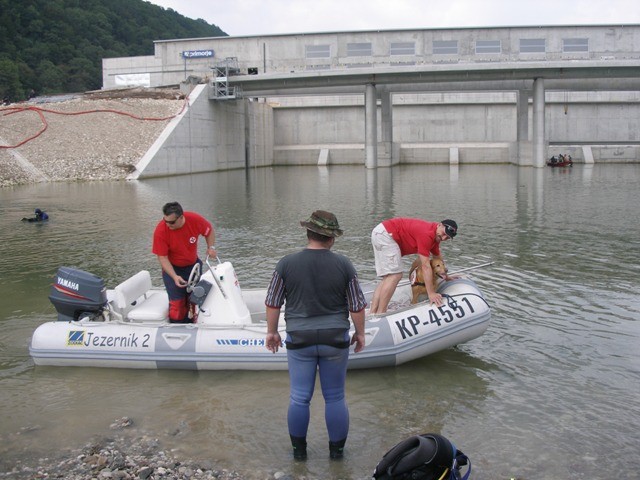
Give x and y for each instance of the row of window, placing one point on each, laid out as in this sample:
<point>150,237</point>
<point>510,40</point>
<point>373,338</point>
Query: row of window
<point>450,47</point>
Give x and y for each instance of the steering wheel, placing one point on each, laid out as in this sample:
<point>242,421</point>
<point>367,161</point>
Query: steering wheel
<point>194,277</point>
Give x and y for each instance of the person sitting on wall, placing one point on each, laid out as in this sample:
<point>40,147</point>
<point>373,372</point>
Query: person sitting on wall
<point>38,216</point>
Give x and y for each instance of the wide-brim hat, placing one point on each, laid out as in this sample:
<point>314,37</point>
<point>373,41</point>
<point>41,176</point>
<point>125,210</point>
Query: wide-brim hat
<point>324,223</point>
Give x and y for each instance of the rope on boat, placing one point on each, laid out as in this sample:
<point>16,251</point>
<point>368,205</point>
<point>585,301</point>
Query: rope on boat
<point>450,298</point>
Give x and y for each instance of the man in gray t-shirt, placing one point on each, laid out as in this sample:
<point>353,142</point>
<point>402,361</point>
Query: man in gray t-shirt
<point>321,289</point>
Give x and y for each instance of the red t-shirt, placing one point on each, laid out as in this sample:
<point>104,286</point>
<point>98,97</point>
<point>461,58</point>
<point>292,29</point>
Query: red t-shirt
<point>414,235</point>
<point>181,245</point>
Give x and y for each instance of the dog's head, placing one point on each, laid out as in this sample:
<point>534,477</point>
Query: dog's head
<point>438,268</point>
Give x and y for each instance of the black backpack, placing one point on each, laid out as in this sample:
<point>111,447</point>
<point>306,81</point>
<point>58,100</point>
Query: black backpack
<point>423,457</point>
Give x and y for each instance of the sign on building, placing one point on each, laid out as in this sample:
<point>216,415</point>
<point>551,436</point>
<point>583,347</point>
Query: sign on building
<point>197,54</point>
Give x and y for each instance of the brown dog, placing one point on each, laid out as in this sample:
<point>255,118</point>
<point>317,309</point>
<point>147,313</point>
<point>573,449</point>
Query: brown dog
<point>417,278</point>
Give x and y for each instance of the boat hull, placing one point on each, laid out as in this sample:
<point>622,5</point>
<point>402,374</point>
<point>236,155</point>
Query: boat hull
<point>404,334</point>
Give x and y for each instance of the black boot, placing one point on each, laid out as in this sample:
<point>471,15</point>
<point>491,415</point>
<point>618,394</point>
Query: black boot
<point>336,449</point>
<point>299,445</point>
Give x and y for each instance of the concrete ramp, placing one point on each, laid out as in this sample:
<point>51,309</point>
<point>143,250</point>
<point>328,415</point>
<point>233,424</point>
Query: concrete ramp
<point>26,165</point>
<point>323,158</point>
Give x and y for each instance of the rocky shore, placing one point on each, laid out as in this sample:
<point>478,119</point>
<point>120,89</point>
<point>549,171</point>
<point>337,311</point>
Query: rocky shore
<point>92,136</point>
<point>126,455</point>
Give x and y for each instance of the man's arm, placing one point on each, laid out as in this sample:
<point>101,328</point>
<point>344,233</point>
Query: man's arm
<point>358,337</point>
<point>168,268</point>
<point>427,273</point>
<point>211,242</point>
<point>273,339</point>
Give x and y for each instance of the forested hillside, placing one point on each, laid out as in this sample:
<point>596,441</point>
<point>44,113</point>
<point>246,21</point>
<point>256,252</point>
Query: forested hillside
<point>57,46</point>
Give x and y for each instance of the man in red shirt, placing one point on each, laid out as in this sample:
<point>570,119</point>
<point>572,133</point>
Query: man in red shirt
<point>175,242</point>
<point>394,238</point>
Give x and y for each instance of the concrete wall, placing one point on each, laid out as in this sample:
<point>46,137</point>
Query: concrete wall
<point>260,133</point>
<point>208,136</point>
<point>294,52</point>
<point>480,126</point>
<point>462,127</point>
<point>427,128</point>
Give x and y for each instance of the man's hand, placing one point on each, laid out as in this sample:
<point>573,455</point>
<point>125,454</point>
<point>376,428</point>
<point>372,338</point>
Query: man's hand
<point>273,342</point>
<point>359,341</point>
<point>435,299</point>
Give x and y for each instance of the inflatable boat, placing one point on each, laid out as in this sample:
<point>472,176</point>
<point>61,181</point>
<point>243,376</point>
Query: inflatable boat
<point>128,327</point>
<point>561,161</point>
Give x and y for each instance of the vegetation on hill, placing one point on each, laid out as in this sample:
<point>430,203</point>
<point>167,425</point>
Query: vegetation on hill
<point>57,46</point>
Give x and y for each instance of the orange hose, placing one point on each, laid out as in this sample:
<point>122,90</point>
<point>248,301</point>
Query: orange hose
<point>40,111</point>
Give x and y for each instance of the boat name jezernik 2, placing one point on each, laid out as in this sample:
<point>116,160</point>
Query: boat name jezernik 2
<point>77,337</point>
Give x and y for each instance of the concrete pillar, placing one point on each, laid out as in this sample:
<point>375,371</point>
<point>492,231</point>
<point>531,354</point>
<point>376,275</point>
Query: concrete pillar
<point>371,126</point>
<point>454,156</point>
<point>539,140</point>
<point>587,153</point>
<point>385,157</point>
<point>523,144</point>
<point>523,115</point>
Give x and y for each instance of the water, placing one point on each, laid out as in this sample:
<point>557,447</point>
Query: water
<point>549,391</point>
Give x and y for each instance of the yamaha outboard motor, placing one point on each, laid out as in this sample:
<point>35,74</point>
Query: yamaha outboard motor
<point>76,294</point>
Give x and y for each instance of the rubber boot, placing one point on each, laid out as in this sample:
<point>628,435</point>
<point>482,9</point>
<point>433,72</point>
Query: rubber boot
<point>336,449</point>
<point>299,445</point>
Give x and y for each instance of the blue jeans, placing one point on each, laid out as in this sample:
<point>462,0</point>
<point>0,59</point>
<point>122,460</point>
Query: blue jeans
<point>332,364</point>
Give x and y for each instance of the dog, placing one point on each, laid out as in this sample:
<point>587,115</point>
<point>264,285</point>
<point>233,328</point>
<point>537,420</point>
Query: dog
<point>417,278</point>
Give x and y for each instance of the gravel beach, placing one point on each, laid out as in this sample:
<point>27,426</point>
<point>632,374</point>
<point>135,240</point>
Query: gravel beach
<point>127,454</point>
<point>90,136</point>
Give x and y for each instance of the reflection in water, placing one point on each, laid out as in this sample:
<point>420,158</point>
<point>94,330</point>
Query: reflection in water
<point>553,379</point>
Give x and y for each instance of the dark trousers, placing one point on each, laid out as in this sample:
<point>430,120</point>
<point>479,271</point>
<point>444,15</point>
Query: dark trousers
<point>179,304</point>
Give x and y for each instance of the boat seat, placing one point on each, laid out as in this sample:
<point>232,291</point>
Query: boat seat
<point>134,300</point>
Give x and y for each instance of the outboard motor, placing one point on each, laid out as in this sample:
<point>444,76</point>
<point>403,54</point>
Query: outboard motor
<point>76,294</point>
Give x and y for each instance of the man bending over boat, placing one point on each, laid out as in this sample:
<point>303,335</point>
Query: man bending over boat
<point>175,242</point>
<point>394,238</point>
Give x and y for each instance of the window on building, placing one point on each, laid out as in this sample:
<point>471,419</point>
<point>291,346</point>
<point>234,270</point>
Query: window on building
<point>575,44</point>
<point>402,48</point>
<point>445,47</point>
<point>359,49</point>
<point>317,67</point>
<point>488,46</point>
<point>533,45</point>
<point>317,51</point>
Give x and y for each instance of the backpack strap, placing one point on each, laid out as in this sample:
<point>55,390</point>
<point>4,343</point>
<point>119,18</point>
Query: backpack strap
<point>460,460</point>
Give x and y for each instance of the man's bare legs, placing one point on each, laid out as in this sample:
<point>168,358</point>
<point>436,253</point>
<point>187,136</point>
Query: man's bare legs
<point>384,292</point>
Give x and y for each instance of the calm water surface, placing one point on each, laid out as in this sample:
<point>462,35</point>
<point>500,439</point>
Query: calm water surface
<point>551,390</point>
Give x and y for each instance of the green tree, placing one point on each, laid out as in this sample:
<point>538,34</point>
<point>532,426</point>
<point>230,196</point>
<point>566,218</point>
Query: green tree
<point>51,77</point>
<point>57,46</point>
<point>10,86</point>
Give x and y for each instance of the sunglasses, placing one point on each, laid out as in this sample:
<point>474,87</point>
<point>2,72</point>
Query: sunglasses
<point>450,231</point>
<point>172,222</point>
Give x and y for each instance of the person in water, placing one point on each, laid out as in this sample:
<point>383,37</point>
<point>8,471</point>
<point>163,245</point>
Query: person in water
<point>322,291</point>
<point>39,216</point>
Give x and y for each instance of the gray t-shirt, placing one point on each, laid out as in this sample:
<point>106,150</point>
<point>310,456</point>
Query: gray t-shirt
<point>320,288</point>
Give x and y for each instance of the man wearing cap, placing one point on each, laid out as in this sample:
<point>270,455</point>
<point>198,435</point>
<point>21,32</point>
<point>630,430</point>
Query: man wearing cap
<point>321,290</point>
<point>394,238</point>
